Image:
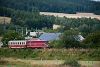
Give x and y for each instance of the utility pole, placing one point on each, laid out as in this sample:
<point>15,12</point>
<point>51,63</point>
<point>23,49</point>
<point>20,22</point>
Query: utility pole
<point>26,31</point>
<point>36,30</point>
<point>22,31</point>
<point>4,23</point>
<point>16,29</point>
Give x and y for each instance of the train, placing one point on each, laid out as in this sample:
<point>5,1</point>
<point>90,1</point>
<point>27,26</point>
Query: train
<point>31,43</point>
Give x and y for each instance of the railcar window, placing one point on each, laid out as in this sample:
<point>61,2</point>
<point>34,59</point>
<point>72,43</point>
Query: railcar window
<point>20,43</point>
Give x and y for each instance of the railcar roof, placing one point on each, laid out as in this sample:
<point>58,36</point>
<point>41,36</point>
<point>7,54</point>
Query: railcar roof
<point>17,41</point>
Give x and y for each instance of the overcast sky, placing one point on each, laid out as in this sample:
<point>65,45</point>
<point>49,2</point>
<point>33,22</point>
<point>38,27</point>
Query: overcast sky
<point>96,0</point>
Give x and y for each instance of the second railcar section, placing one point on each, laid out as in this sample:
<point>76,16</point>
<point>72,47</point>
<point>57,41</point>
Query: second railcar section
<point>37,44</point>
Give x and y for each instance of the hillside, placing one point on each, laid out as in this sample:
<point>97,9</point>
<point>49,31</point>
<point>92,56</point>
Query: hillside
<point>25,13</point>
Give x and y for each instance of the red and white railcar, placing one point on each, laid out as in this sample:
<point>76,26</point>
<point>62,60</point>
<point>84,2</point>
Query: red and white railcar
<point>32,43</point>
<point>17,44</point>
<point>37,43</point>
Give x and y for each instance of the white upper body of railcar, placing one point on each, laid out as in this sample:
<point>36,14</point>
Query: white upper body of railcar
<point>17,44</point>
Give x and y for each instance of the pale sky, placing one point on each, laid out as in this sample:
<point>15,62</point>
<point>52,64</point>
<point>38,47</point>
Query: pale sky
<point>96,0</point>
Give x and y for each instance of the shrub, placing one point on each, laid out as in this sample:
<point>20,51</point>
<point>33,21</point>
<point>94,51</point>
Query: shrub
<point>56,44</point>
<point>3,62</point>
<point>72,63</point>
<point>93,40</point>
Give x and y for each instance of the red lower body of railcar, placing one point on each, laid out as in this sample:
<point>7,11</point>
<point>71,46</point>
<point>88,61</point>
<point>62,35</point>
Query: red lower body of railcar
<point>37,44</point>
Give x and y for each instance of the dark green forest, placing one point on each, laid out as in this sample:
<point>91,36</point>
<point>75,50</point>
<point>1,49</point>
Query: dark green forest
<point>21,18</point>
<point>65,6</point>
<point>26,13</point>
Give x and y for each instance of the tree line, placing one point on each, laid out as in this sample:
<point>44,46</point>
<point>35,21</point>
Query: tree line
<point>21,18</point>
<point>64,6</point>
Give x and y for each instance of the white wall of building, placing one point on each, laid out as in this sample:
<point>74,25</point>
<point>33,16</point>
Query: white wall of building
<point>1,44</point>
<point>56,26</point>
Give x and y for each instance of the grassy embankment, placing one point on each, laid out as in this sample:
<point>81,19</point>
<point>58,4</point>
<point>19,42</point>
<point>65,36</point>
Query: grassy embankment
<point>52,54</point>
<point>47,57</point>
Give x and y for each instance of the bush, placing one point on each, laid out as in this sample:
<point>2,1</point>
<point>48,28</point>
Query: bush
<point>69,39</point>
<point>72,63</point>
<point>93,40</point>
<point>3,62</point>
<point>56,44</point>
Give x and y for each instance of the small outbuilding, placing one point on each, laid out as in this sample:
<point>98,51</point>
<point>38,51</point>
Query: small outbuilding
<point>79,38</point>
